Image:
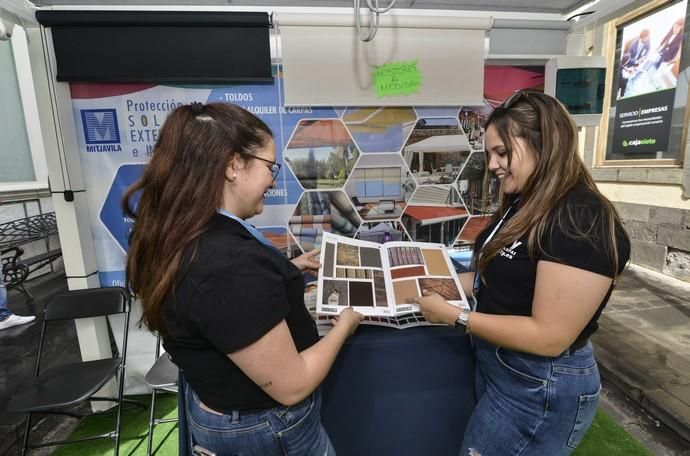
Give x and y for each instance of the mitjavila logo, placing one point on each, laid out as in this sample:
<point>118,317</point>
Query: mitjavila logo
<point>101,131</point>
<point>639,142</point>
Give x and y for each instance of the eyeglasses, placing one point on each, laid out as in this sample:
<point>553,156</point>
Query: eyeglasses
<point>275,166</point>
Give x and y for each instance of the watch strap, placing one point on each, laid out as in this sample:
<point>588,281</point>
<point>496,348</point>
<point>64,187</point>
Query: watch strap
<point>463,320</point>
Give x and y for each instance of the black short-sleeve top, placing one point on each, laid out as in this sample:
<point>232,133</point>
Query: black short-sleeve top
<point>234,292</point>
<point>510,277</point>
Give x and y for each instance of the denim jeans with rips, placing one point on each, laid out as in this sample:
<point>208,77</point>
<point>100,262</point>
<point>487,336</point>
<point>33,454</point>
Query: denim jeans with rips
<point>531,405</point>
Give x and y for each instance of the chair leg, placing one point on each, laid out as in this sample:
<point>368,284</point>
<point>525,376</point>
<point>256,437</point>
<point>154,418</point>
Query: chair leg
<point>119,412</point>
<point>152,423</point>
<point>117,429</point>
<point>152,419</point>
<point>25,440</point>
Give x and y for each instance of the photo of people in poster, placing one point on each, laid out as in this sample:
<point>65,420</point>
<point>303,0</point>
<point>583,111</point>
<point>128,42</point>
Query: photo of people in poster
<point>645,79</point>
<point>650,56</point>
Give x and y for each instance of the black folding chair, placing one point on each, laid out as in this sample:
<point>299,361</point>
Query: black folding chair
<point>59,388</point>
<point>162,376</point>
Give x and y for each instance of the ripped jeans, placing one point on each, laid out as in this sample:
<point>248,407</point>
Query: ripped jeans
<point>293,431</point>
<point>530,405</point>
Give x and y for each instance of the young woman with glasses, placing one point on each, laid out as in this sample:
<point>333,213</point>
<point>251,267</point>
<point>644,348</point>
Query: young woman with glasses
<point>230,307</point>
<point>545,267</point>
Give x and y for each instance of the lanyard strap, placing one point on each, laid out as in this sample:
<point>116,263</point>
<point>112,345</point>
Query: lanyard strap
<point>477,278</point>
<point>249,227</point>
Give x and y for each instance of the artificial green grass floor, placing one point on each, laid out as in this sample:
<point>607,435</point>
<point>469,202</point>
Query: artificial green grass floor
<point>605,437</point>
<point>133,434</point>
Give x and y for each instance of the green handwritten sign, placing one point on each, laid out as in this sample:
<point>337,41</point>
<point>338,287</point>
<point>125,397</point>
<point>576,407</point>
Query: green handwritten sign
<point>398,78</point>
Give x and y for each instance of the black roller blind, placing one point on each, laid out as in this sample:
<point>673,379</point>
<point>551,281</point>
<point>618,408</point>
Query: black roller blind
<point>160,46</point>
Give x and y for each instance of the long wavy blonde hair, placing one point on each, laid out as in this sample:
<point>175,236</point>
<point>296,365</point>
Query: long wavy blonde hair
<point>550,132</point>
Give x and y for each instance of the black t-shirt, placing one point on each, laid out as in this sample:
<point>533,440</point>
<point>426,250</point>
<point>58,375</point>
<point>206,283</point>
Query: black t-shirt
<point>236,291</point>
<point>510,277</point>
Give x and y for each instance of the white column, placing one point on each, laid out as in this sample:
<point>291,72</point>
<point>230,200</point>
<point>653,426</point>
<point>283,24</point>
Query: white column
<point>65,173</point>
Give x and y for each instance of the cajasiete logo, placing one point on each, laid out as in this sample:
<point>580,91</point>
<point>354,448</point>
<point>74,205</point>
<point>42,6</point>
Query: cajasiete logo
<point>639,142</point>
<point>101,131</point>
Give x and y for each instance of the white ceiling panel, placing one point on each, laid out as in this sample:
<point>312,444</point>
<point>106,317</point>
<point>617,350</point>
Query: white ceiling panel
<point>508,14</point>
<point>526,6</point>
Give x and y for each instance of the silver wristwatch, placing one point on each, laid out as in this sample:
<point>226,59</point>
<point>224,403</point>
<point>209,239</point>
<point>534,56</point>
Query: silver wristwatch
<point>463,320</point>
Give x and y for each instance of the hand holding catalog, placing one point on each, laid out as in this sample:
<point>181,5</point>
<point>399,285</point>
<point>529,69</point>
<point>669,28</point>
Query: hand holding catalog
<point>377,280</point>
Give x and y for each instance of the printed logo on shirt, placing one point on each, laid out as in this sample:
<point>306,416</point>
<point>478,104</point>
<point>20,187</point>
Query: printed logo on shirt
<point>510,252</point>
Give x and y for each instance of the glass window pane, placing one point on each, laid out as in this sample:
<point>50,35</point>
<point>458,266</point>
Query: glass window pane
<point>391,182</point>
<point>358,182</point>
<point>15,154</point>
<point>374,183</point>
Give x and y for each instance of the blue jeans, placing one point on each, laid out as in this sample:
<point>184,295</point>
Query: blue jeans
<point>531,405</point>
<point>4,311</point>
<point>283,430</point>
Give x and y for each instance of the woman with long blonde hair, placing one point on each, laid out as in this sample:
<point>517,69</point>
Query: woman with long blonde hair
<point>545,267</point>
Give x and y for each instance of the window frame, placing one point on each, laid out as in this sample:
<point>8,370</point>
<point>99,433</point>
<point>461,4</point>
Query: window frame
<point>363,170</point>
<point>22,65</point>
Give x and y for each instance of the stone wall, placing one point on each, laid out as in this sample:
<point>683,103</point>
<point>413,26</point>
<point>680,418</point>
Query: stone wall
<point>660,238</point>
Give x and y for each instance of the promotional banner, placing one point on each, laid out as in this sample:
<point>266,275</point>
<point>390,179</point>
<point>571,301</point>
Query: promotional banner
<point>327,183</point>
<point>118,127</point>
<point>377,173</point>
<point>647,74</point>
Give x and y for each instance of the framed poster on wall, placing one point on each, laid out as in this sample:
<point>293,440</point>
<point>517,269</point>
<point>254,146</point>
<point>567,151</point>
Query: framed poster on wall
<point>643,120</point>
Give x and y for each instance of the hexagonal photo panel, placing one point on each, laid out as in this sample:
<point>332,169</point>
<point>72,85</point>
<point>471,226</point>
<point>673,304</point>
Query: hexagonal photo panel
<point>472,121</point>
<point>435,214</point>
<point>470,185</point>
<point>282,240</point>
<point>321,153</point>
<point>317,212</point>
<point>436,195</point>
<point>463,248</point>
<point>111,215</point>
<point>436,151</point>
<point>381,232</point>
<point>379,186</point>
<point>461,259</point>
<point>437,111</point>
<point>380,129</point>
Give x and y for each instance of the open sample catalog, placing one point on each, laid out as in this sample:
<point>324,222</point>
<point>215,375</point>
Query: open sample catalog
<point>377,280</point>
